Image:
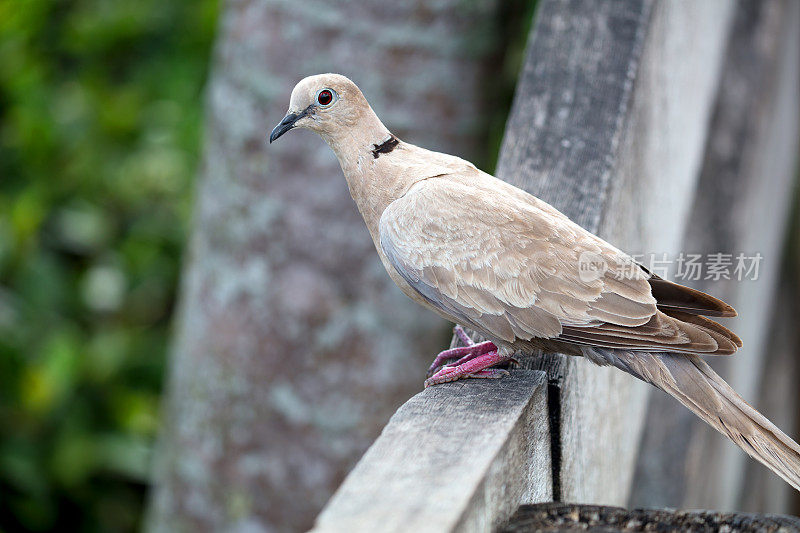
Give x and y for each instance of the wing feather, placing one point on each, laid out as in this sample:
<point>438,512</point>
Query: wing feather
<point>506,264</point>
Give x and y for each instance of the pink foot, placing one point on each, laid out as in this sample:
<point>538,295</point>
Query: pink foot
<point>477,367</point>
<point>462,353</point>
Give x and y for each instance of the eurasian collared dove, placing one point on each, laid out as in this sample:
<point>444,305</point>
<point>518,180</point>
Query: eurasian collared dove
<point>485,254</point>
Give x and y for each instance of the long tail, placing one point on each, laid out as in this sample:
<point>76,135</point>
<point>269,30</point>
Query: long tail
<point>693,383</point>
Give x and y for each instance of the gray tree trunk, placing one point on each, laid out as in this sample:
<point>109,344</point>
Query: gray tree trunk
<point>292,346</point>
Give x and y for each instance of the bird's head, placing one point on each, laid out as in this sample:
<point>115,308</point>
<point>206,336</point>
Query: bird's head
<point>325,104</point>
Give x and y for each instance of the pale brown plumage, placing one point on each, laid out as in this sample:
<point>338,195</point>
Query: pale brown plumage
<point>507,265</point>
<point>488,255</point>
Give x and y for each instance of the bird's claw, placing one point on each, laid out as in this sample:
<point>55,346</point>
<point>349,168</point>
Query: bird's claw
<point>462,354</point>
<point>476,367</point>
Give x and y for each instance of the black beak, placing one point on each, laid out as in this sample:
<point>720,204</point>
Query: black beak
<point>288,123</point>
<point>285,125</point>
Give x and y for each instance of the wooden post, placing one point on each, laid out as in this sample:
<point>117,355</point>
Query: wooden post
<point>609,125</point>
<point>743,199</point>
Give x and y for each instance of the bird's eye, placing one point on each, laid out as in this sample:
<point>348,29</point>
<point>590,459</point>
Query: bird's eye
<point>325,97</point>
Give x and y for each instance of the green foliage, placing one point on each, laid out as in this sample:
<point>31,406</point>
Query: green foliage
<point>100,127</point>
<point>513,25</point>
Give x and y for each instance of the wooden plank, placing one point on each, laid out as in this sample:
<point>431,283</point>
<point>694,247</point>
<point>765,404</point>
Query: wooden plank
<point>742,204</point>
<point>609,124</point>
<point>778,398</point>
<point>456,457</point>
<point>572,517</point>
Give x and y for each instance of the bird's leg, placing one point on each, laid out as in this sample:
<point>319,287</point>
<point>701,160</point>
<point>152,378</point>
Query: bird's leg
<point>477,367</point>
<point>462,353</point>
<point>462,335</point>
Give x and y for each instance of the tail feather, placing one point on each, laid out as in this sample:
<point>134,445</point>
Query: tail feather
<point>675,331</point>
<point>675,297</point>
<point>724,337</point>
<point>693,383</point>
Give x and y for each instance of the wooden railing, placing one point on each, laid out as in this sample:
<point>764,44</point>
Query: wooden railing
<point>620,120</point>
<point>460,457</point>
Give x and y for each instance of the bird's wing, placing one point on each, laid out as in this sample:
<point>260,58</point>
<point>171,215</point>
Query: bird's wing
<point>510,268</point>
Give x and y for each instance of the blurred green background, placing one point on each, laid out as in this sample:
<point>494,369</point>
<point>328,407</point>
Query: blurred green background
<point>100,132</point>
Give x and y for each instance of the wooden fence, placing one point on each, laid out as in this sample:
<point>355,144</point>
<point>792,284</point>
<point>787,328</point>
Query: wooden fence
<point>662,126</point>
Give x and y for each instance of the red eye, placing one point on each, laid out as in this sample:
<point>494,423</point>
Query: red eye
<point>325,97</point>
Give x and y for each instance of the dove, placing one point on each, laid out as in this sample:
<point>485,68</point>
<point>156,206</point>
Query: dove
<point>492,257</point>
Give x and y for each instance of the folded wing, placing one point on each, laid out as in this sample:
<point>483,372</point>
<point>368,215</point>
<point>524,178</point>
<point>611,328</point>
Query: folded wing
<point>518,271</point>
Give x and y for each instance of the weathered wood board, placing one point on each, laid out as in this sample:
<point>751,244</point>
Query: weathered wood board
<point>574,517</point>
<point>456,457</point>
<point>742,203</point>
<point>609,125</point>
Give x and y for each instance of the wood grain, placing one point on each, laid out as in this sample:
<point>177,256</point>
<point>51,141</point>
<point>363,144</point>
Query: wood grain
<point>575,517</point>
<point>742,204</point>
<point>609,125</point>
<point>456,457</point>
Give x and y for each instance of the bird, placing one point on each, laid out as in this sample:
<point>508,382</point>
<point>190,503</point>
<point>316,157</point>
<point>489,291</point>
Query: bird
<point>489,256</point>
